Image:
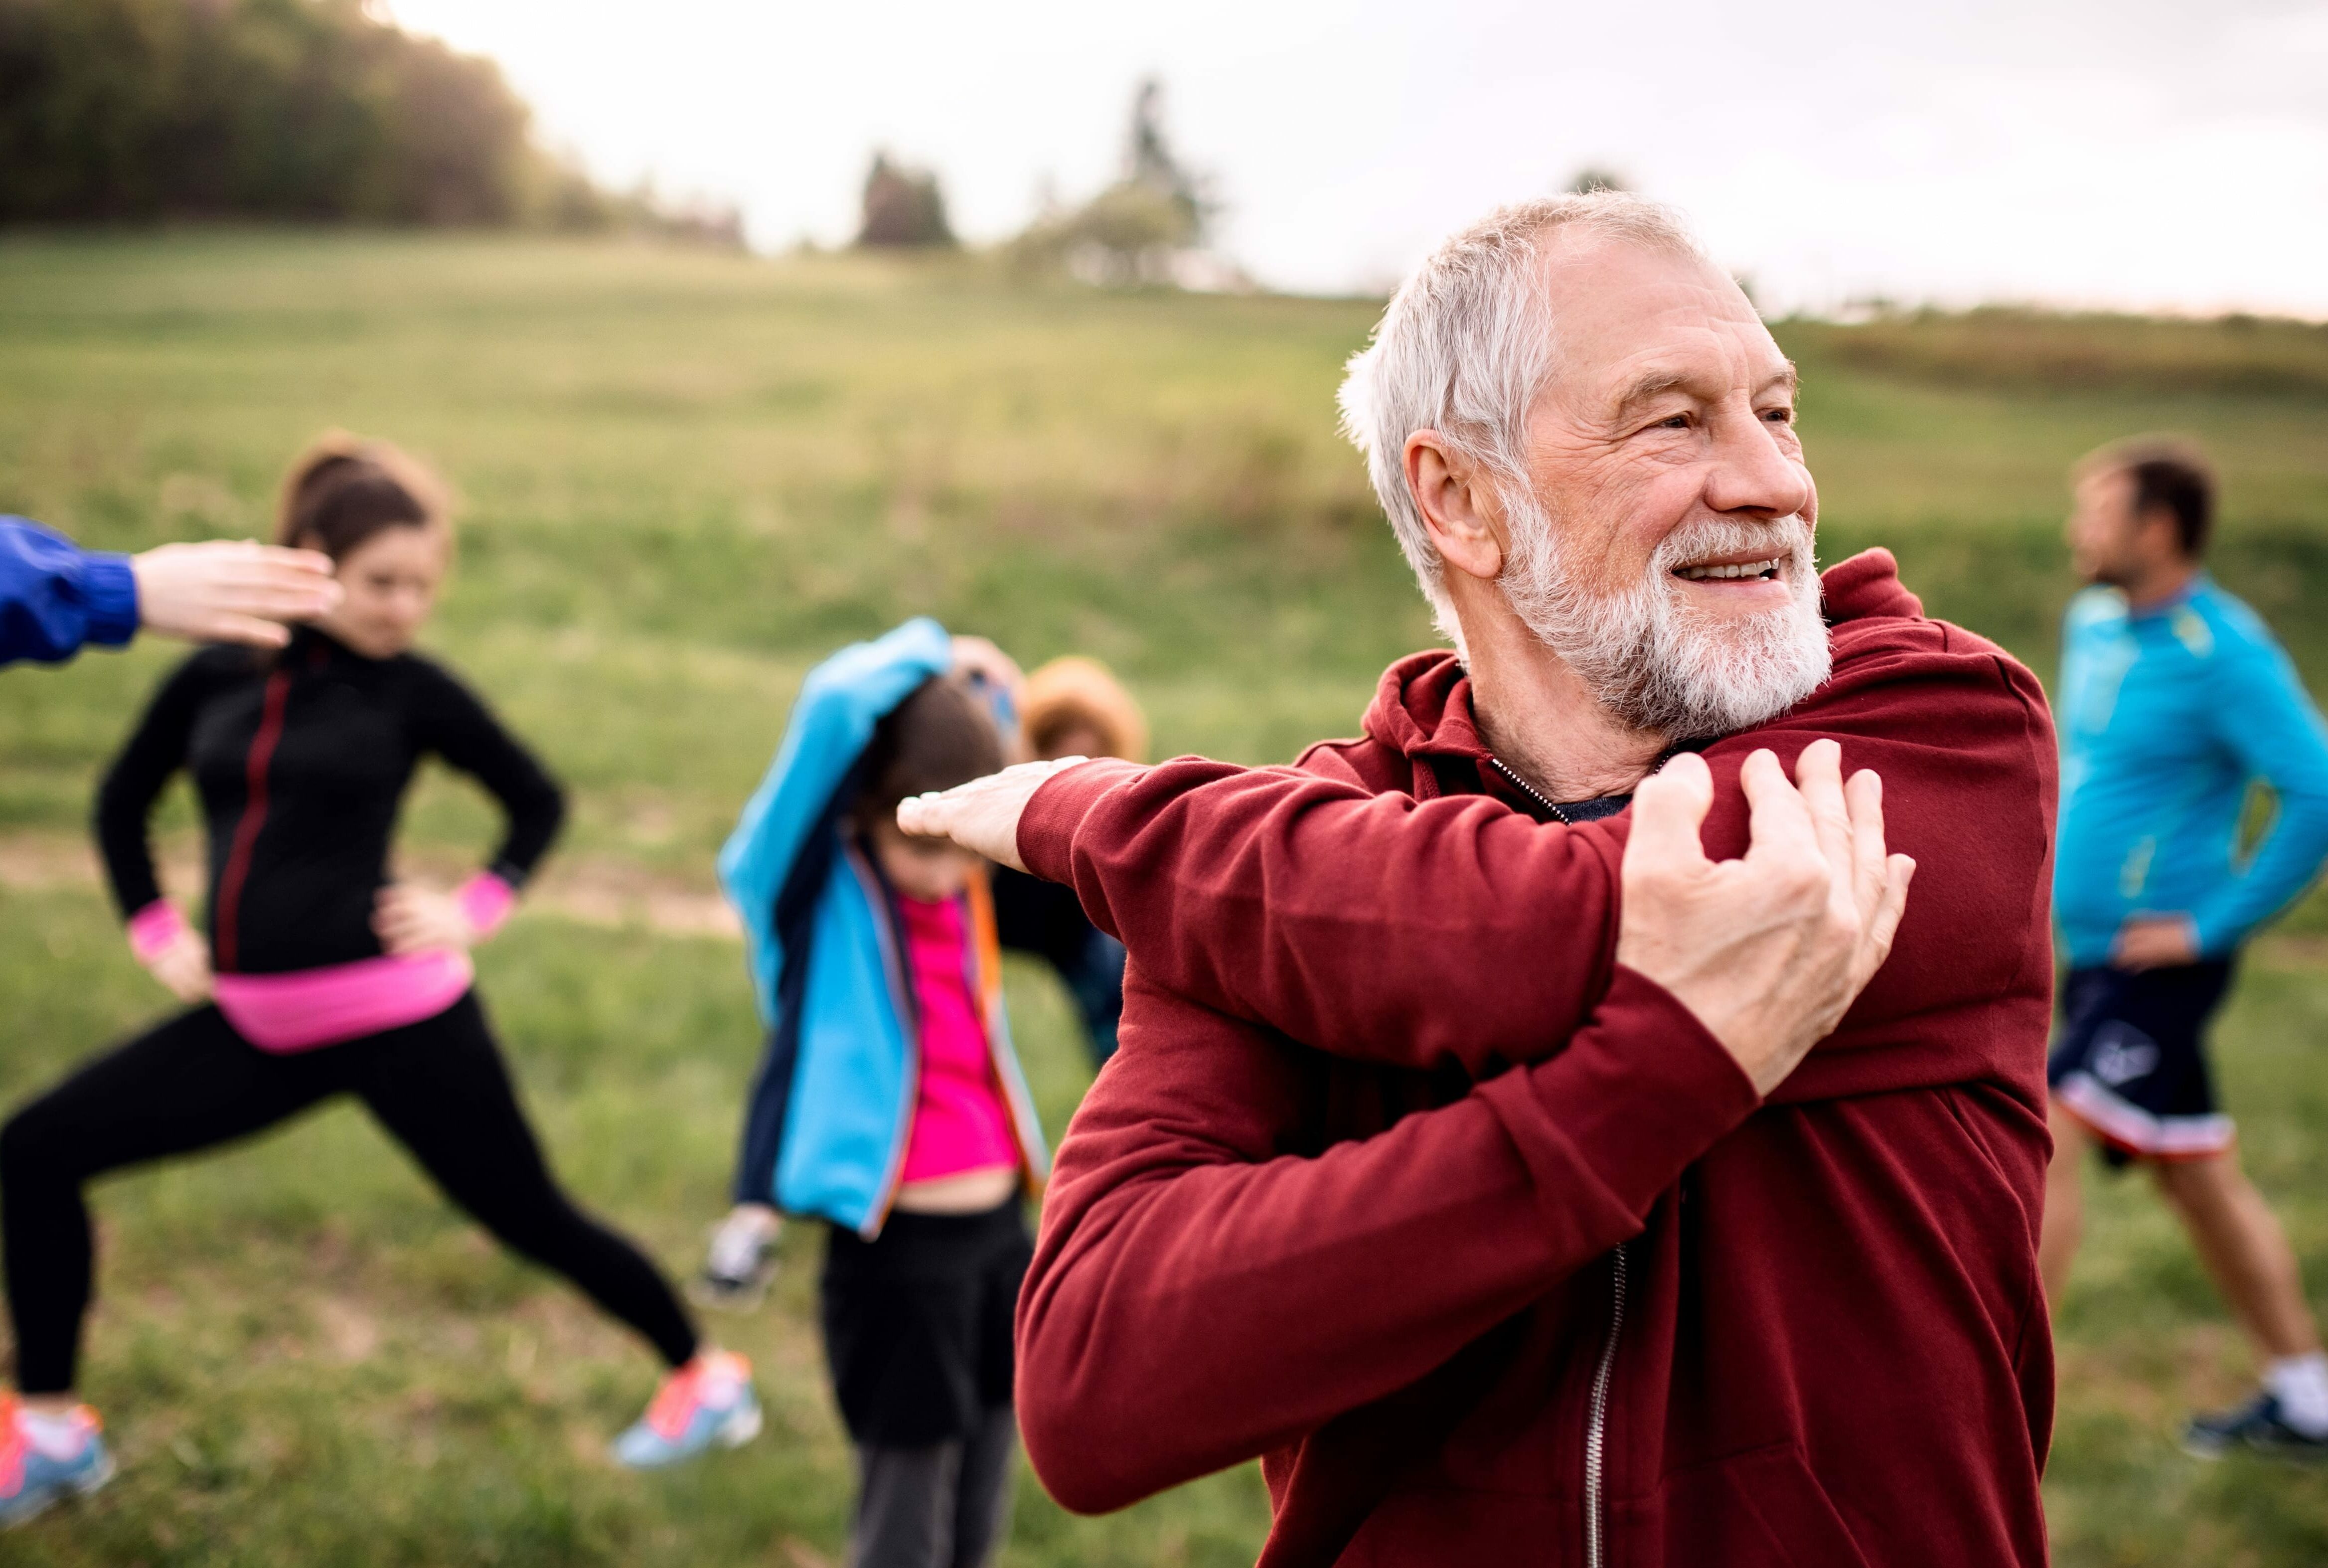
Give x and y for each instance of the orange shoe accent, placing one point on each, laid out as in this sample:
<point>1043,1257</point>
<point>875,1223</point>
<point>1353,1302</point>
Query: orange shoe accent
<point>13,1446</point>
<point>674,1402</point>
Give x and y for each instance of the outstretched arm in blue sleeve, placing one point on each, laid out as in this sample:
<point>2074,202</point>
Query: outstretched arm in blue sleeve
<point>54,597</point>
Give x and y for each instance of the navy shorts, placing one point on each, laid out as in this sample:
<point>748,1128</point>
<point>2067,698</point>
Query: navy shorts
<point>2131,1061</point>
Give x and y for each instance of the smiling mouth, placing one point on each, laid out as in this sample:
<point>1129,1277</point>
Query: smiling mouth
<point>1765,570</point>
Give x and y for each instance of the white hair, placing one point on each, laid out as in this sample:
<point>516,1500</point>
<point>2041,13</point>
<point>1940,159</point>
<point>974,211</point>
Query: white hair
<point>1465,348</point>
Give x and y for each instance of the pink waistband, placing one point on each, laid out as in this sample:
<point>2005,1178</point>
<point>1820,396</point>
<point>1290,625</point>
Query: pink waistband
<point>306,1008</point>
<point>302,1008</point>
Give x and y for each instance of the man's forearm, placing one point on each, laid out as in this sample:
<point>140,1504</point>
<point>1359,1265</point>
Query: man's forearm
<point>1348,920</point>
<point>1196,1301</point>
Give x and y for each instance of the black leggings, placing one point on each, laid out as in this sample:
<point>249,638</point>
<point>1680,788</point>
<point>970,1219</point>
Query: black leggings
<point>439,1086</point>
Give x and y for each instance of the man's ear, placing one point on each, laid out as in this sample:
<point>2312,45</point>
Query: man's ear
<point>1457,496</point>
<point>2159,533</point>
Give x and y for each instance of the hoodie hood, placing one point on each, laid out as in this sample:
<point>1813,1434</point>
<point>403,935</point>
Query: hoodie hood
<point>1422,708</point>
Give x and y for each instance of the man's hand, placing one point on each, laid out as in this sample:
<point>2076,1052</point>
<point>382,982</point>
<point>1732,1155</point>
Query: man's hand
<point>1769,951</point>
<point>2156,942</point>
<point>183,964</point>
<point>232,590</point>
<point>409,918</point>
<point>982,815</point>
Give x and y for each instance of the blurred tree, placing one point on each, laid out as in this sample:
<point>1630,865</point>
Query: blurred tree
<point>903,207</point>
<point>289,108</point>
<point>1590,179</point>
<point>1137,229</point>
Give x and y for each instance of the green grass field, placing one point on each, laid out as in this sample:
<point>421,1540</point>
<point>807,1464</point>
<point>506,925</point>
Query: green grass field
<point>687,477</point>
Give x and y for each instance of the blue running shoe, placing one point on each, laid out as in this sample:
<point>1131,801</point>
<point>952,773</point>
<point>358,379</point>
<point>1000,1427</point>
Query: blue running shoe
<point>708,1400</point>
<point>2258,1427</point>
<point>32,1476</point>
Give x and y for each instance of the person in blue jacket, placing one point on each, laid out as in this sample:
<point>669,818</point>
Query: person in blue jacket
<point>889,1103</point>
<point>2175,703</point>
<point>55,598</point>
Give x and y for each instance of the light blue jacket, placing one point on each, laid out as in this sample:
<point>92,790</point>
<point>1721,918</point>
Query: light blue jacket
<point>826,1130</point>
<point>2167,718</point>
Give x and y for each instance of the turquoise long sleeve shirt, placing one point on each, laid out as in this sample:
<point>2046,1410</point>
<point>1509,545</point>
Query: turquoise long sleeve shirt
<point>2167,718</point>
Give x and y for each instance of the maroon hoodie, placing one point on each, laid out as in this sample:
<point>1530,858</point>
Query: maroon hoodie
<point>1480,1241</point>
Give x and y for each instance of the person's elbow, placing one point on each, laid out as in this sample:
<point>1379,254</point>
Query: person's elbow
<point>1085,1434</point>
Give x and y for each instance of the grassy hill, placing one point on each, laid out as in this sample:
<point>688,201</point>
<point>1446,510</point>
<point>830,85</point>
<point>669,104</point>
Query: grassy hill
<point>687,477</point>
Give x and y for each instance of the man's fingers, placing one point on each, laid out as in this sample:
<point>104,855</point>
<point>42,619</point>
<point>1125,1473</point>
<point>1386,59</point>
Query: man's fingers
<point>1668,809</point>
<point>229,627</point>
<point>1818,779</point>
<point>982,815</point>
<point>1898,872</point>
<point>924,816</point>
<point>1778,823</point>
<point>1863,799</point>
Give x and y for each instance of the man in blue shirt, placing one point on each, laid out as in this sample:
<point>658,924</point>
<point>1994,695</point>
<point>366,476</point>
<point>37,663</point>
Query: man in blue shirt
<point>55,596</point>
<point>2174,702</point>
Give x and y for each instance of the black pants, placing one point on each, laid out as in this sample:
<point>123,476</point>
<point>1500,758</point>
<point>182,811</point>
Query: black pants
<point>917,1333</point>
<point>945,1505</point>
<point>439,1086</point>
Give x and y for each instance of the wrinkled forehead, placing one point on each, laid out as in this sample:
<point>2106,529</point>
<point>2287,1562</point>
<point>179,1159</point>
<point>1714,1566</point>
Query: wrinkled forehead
<point>1625,316</point>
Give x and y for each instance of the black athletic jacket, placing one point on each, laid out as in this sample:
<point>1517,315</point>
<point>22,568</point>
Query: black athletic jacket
<point>301,759</point>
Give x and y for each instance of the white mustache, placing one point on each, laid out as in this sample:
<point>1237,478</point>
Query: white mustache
<point>1788,537</point>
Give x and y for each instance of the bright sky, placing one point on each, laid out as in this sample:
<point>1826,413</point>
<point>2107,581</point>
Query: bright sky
<point>2139,153</point>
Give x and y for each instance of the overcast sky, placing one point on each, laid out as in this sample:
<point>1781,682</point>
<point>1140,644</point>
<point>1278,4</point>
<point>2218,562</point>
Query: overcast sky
<point>2140,153</point>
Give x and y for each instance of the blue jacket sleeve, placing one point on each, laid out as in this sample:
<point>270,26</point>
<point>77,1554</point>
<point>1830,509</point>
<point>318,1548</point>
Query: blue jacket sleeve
<point>2268,723</point>
<point>54,595</point>
<point>840,703</point>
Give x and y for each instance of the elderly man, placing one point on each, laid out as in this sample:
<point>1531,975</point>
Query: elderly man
<point>1437,1165</point>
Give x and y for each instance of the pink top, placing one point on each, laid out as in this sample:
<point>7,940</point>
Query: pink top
<point>959,1122</point>
<point>302,1008</point>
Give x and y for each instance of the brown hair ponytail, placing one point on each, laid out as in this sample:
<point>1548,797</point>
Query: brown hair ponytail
<point>343,490</point>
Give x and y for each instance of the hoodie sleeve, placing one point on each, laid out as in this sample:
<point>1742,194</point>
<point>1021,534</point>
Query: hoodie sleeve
<point>1457,931</point>
<point>54,595</point>
<point>1180,1237</point>
<point>1362,922</point>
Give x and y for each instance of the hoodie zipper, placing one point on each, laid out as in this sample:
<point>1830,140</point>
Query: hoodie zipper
<point>1529,790</point>
<point>1596,1425</point>
<point>1596,1430</point>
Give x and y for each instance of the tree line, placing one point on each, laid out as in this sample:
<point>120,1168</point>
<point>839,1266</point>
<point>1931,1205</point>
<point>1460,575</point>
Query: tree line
<point>144,109</point>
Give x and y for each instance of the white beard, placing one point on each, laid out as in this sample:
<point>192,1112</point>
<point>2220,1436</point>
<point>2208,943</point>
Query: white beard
<point>1646,657</point>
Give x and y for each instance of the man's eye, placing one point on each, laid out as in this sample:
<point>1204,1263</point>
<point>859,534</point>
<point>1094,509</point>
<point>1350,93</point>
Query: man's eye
<point>1672,422</point>
<point>1779,415</point>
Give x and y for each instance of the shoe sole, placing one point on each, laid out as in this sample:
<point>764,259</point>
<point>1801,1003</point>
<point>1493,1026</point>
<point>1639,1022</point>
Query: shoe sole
<point>724,1299</point>
<point>78,1486</point>
<point>741,1427</point>
<point>2285,1453</point>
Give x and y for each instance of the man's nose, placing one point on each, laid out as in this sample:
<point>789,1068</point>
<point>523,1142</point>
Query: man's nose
<point>1753,473</point>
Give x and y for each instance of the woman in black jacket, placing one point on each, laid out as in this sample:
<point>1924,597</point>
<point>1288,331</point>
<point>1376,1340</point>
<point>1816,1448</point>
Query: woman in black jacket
<point>319,976</point>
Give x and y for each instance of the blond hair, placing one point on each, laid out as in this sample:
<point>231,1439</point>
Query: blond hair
<point>1078,693</point>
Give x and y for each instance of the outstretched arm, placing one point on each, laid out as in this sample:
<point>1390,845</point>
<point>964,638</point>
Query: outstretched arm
<point>55,596</point>
<point>1356,922</point>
